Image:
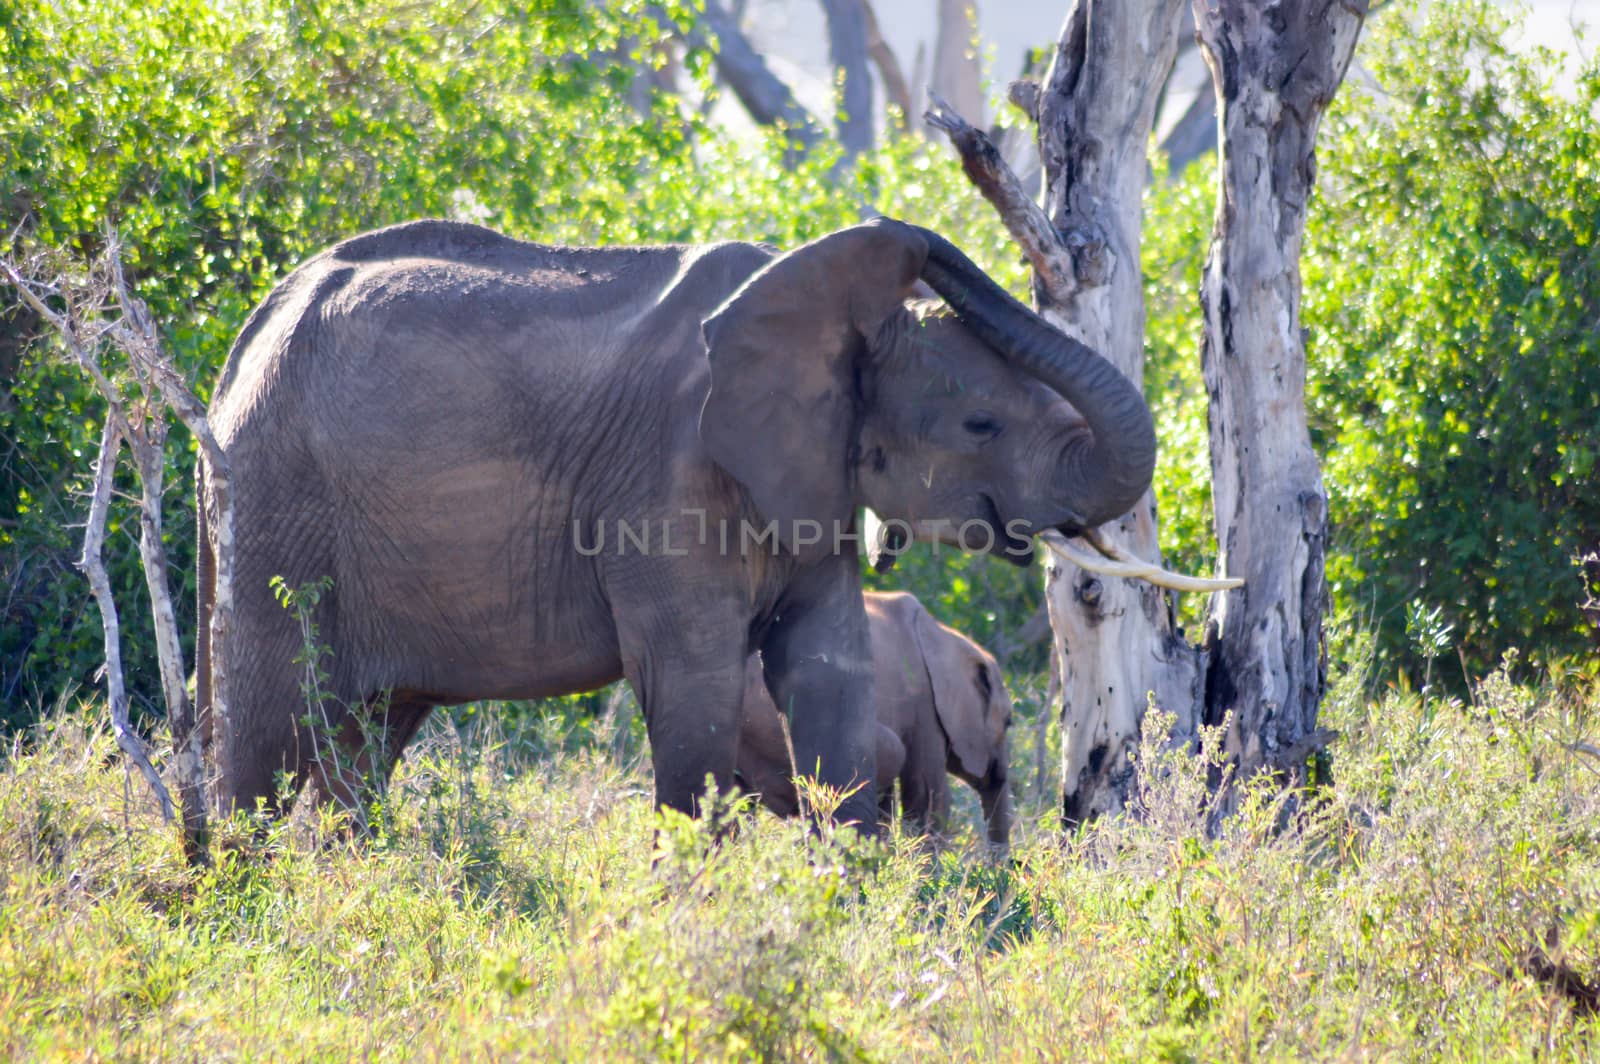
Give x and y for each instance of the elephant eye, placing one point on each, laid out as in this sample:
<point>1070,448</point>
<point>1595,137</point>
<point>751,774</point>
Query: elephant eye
<point>981,425</point>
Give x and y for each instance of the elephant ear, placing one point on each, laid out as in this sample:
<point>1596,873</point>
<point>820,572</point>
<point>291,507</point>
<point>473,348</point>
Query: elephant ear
<point>782,411</point>
<point>961,692</point>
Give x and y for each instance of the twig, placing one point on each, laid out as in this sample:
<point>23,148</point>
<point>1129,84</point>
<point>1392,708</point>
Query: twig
<point>93,565</point>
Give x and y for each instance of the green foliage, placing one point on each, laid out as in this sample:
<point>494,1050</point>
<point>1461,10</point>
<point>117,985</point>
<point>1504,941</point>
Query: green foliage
<point>511,904</point>
<point>1450,274</point>
<point>1452,282</point>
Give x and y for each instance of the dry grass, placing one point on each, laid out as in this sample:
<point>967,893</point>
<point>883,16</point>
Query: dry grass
<point>1439,898</point>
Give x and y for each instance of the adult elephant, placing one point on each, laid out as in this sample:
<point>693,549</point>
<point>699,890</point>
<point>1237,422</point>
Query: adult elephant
<point>467,434</point>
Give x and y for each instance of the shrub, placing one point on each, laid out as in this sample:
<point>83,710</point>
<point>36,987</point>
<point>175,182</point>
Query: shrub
<point>1452,276</point>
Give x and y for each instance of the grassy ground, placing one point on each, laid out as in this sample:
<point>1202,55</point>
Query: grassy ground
<point>1425,906</point>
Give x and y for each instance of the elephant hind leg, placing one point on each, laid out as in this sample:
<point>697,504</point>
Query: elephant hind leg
<point>262,743</point>
<point>361,754</point>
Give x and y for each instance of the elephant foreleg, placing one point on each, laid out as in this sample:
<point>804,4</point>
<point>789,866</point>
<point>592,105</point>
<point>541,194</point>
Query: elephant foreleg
<point>818,666</point>
<point>691,691</point>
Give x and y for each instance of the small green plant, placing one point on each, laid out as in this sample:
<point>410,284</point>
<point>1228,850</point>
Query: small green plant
<point>348,741</point>
<point>1429,635</point>
<point>302,601</point>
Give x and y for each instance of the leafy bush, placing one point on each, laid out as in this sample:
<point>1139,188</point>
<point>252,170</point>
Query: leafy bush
<point>1452,280</point>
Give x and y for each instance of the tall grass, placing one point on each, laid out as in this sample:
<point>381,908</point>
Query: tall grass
<point>1438,897</point>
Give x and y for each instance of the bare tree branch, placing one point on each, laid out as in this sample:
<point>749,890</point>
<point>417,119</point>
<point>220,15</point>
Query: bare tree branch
<point>1023,218</point>
<point>214,491</point>
<point>99,310</point>
<point>767,99</point>
<point>895,85</point>
<point>92,561</point>
<point>136,335</point>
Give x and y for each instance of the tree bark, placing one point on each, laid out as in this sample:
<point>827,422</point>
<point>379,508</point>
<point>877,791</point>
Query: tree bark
<point>847,47</point>
<point>1274,73</point>
<point>1115,640</point>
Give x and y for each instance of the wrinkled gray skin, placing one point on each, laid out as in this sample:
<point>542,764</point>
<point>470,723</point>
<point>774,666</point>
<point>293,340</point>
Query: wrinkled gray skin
<point>941,707</point>
<point>426,412</point>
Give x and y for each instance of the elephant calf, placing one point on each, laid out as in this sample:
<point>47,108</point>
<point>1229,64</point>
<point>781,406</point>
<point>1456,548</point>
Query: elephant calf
<point>941,706</point>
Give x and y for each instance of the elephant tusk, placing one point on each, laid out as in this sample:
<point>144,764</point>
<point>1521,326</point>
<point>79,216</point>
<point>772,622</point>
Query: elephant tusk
<point>1117,563</point>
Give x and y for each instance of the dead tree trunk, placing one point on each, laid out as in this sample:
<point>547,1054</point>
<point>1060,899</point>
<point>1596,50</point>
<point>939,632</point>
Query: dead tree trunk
<point>895,86</point>
<point>1274,74</point>
<point>1116,644</point>
<point>1115,640</point>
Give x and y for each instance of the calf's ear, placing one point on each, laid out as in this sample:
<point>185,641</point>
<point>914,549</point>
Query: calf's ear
<point>960,692</point>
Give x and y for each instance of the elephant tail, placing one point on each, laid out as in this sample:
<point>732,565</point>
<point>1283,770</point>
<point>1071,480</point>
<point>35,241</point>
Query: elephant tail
<point>205,571</point>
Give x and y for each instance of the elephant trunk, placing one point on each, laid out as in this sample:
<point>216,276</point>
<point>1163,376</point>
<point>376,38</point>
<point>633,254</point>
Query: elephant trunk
<point>997,811</point>
<point>1105,480</point>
